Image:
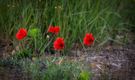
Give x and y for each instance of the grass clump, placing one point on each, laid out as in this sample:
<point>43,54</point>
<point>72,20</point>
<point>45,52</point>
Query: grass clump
<point>102,18</point>
<point>44,70</point>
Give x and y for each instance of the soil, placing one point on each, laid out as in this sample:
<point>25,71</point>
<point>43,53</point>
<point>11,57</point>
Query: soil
<point>113,64</point>
<point>12,73</point>
<point>6,48</point>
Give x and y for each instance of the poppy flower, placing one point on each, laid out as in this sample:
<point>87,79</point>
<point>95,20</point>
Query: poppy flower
<point>59,44</point>
<point>88,39</point>
<point>22,33</point>
<point>51,29</point>
<point>54,29</point>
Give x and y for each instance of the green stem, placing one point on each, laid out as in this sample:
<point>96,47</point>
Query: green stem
<point>35,43</point>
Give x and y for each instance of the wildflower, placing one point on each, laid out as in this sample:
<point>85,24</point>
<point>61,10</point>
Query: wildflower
<point>48,36</point>
<point>59,44</point>
<point>22,33</point>
<point>58,8</point>
<point>54,29</point>
<point>51,29</point>
<point>88,39</point>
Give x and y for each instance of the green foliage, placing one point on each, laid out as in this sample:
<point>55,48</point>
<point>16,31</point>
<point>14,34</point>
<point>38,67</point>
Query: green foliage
<point>62,72</point>
<point>84,75</point>
<point>104,18</point>
<point>23,54</point>
<point>42,70</point>
<point>34,32</point>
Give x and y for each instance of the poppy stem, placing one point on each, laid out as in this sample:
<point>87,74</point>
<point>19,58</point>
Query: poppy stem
<point>35,43</point>
<point>21,46</point>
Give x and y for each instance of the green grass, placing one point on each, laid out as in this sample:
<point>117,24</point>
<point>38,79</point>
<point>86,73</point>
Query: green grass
<point>106,19</point>
<point>102,18</point>
<point>49,70</point>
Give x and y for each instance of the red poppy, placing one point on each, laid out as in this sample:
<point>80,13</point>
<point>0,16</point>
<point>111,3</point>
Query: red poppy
<point>88,39</point>
<point>51,29</point>
<point>22,33</point>
<point>54,29</point>
<point>59,44</point>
